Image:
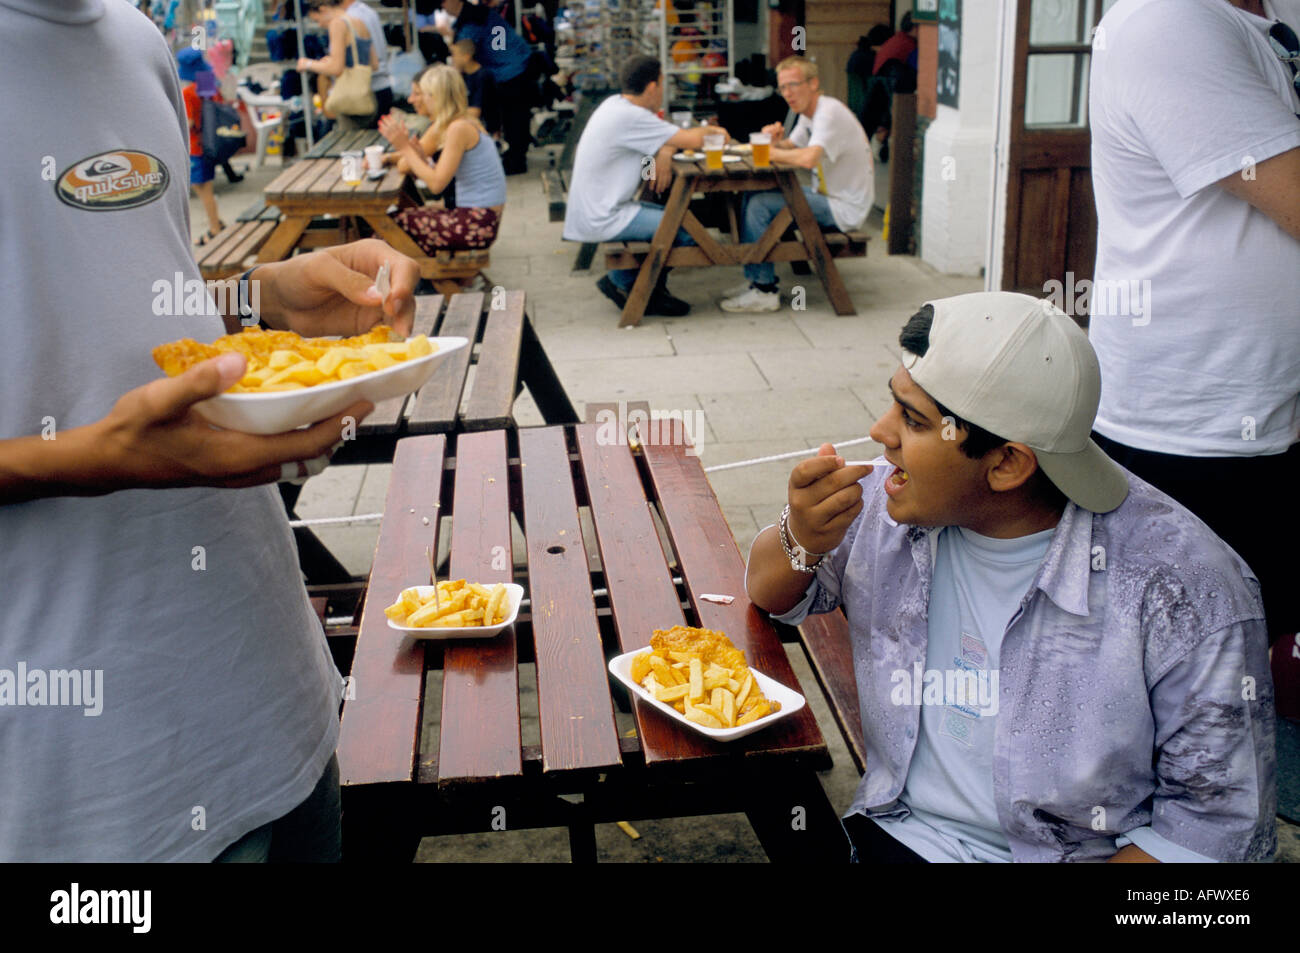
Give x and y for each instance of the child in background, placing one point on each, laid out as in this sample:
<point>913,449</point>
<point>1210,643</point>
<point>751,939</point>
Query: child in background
<point>189,63</point>
<point>479,84</point>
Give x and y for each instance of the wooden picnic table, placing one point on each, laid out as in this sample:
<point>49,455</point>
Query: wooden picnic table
<point>736,177</point>
<point>505,354</point>
<point>314,188</point>
<point>476,772</point>
<point>338,141</point>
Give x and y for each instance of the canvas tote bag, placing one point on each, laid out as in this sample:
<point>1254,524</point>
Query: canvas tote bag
<point>350,95</point>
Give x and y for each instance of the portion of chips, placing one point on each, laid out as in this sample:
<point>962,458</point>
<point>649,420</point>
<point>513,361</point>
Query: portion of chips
<point>703,675</point>
<point>283,360</point>
<point>459,605</point>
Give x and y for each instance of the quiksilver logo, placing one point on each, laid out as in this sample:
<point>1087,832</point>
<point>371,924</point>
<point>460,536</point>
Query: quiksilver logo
<point>113,180</point>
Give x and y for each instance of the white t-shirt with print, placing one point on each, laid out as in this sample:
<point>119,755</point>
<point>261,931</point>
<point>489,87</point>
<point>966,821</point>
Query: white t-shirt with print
<point>845,174</point>
<point>1196,303</point>
<point>607,168</point>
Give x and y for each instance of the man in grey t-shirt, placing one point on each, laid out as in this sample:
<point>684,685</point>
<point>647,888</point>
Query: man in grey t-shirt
<point>166,692</point>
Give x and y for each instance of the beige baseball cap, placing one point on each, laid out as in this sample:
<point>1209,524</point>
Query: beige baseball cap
<point>1021,368</point>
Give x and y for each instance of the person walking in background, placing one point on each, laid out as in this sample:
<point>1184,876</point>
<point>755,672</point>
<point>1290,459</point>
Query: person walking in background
<point>189,64</point>
<point>346,34</point>
<point>1195,303</point>
<point>508,58</point>
<point>381,82</point>
<point>468,156</point>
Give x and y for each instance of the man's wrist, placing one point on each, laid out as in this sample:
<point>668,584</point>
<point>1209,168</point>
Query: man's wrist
<point>256,303</point>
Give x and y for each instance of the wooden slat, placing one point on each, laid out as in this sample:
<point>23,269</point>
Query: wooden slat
<point>215,250</point>
<point>710,562</point>
<point>641,592</point>
<point>289,181</point>
<point>301,187</point>
<point>480,680</point>
<point>380,735</point>
<point>496,376</point>
<point>253,211</point>
<point>437,402</point>
<point>324,183</point>
<point>322,148</point>
<point>387,414</point>
<point>577,716</point>
<point>250,243</point>
<point>830,652</point>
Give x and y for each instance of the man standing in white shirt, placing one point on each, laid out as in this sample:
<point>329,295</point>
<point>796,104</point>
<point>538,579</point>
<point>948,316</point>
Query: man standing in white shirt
<point>827,139</point>
<point>1195,305</point>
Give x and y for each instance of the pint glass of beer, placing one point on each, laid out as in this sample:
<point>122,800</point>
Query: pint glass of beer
<point>761,146</point>
<point>713,152</point>
<point>351,164</point>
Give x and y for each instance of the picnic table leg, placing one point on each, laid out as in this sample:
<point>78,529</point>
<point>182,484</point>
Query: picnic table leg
<point>582,837</point>
<point>793,819</point>
<point>285,237</point>
<point>679,200</point>
<point>536,371</point>
<point>586,252</point>
<point>819,253</point>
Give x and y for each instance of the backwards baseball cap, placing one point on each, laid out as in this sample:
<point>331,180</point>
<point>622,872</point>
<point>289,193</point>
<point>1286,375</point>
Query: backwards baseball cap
<point>189,61</point>
<point>1021,368</point>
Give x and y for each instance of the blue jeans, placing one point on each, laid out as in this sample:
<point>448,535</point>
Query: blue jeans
<point>642,228</point>
<point>309,834</point>
<point>759,210</point>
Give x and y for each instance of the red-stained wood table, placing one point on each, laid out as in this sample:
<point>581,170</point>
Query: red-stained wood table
<point>477,774</point>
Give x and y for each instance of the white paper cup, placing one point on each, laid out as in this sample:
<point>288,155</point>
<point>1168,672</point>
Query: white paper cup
<point>374,158</point>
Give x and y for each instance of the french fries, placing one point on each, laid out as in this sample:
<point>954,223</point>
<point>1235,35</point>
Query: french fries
<point>282,360</point>
<point>460,604</point>
<point>703,675</point>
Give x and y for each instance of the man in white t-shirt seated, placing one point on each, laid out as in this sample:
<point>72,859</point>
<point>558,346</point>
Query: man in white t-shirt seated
<point>623,143</point>
<point>828,139</point>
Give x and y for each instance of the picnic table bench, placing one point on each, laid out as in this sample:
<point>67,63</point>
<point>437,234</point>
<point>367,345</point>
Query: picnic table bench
<point>338,141</point>
<point>474,772</point>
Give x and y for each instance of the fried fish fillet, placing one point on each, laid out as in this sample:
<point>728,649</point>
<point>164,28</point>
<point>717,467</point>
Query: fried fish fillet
<point>257,345</point>
<point>712,646</point>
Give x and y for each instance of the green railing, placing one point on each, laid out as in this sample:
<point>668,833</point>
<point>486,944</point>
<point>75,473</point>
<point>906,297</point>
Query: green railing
<point>238,20</point>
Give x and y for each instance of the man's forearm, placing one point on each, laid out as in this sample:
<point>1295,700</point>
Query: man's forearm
<point>773,585</point>
<point>65,464</point>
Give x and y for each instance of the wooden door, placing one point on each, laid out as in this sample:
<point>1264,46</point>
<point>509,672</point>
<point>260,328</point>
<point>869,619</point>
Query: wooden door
<point>1051,220</point>
<point>833,29</point>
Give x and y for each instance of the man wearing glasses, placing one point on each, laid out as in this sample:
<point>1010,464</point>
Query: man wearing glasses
<point>828,140</point>
<point>1195,306</point>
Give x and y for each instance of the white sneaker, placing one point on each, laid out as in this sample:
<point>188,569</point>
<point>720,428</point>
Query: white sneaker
<point>754,301</point>
<point>735,291</point>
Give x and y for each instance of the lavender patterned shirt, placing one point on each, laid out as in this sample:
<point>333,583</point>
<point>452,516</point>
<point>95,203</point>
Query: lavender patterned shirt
<point>1134,681</point>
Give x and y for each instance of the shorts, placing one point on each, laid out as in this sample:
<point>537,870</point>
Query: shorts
<point>449,229</point>
<point>202,169</point>
<point>1205,486</point>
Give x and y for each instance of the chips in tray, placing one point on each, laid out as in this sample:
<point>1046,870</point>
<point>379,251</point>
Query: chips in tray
<point>283,360</point>
<point>459,604</point>
<point>703,675</point>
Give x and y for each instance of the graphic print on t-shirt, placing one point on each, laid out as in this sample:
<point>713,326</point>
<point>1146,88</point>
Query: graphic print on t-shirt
<point>120,179</point>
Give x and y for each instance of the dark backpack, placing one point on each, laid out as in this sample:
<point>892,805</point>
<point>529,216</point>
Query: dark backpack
<point>222,131</point>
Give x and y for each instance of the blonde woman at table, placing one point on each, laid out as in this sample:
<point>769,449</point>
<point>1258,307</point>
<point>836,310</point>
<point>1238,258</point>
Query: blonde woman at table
<point>346,33</point>
<point>469,158</point>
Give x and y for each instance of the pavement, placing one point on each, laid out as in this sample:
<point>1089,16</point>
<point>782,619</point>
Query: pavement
<point>764,384</point>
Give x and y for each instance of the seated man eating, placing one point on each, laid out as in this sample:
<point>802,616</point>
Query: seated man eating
<point>623,145</point>
<point>1055,660</point>
<point>828,139</point>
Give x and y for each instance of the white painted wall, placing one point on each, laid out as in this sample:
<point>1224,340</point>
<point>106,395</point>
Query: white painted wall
<point>959,152</point>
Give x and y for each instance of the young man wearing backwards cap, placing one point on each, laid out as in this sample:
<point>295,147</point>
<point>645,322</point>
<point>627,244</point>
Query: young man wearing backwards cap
<point>1055,660</point>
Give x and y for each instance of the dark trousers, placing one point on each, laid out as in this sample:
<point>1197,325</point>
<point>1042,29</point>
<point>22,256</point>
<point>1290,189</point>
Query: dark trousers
<point>871,845</point>
<point>516,99</point>
<point>1247,501</point>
